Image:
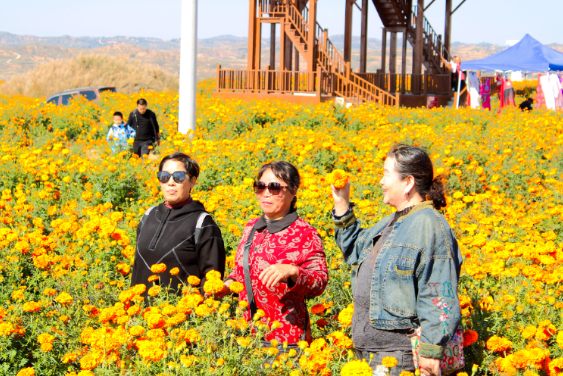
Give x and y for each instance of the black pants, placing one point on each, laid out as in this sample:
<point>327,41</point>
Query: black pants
<point>404,360</point>
<point>142,147</point>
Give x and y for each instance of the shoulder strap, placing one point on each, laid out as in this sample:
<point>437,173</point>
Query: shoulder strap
<point>247,279</point>
<point>199,225</point>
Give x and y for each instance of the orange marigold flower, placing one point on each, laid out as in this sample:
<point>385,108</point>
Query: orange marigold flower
<point>318,309</point>
<point>470,337</point>
<point>29,371</point>
<point>193,280</point>
<point>158,268</point>
<point>213,274</point>
<point>338,178</point>
<point>174,271</point>
<point>389,362</point>
<point>45,338</point>
<point>123,268</point>
<point>499,344</point>
<point>236,287</point>
<point>46,347</point>
<point>154,291</point>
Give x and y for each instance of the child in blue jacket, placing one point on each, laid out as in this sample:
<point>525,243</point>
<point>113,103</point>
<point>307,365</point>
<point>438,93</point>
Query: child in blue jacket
<point>119,132</point>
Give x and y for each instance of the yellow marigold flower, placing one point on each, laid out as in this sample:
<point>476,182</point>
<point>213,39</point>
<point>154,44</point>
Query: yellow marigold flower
<point>529,332</point>
<point>244,341</point>
<point>134,310</point>
<point>356,368</point>
<point>136,330</point>
<point>458,195</point>
<point>407,373</point>
<point>46,347</point>
<point>29,371</point>
<point>389,362</point>
<point>213,274</point>
<point>158,268</point>
<point>153,278</point>
<point>85,372</point>
<point>193,280</point>
<point>174,271</point>
<point>64,298</point>
<point>70,357</point>
<point>236,287</point>
<point>45,338</point>
<point>345,316</point>
<point>461,374</point>
<point>213,286</point>
<point>32,306</point>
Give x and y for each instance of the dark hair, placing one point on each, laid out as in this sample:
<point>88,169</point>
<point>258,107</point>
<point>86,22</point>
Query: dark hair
<point>190,165</point>
<point>117,113</point>
<point>414,161</point>
<point>531,100</point>
<point>284,171</point>
<point>142,102</point>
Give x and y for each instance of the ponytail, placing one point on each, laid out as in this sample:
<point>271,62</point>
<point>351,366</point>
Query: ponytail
<point>437,193</point>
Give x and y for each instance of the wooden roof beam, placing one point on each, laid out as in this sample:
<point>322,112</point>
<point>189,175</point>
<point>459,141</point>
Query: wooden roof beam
<point>460,4</point>
<point>428,6</point>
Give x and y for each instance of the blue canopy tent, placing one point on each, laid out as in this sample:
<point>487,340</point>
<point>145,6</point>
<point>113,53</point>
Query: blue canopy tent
<point>528,55</point>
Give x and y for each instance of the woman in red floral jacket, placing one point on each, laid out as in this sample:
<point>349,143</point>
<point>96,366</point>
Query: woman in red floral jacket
<point>285,259</point>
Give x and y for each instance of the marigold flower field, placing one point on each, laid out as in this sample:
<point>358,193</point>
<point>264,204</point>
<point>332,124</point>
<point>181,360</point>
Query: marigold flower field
<point>69,209</point>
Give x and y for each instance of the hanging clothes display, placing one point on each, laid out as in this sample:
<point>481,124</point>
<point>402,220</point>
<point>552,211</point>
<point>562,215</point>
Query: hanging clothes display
<point>548,92</point>
<point>486,94</point>
<point>500,91</point>
<point>473,89</point>
<point>508,93</point>
<point>556,85</point>
<point>540,98</point>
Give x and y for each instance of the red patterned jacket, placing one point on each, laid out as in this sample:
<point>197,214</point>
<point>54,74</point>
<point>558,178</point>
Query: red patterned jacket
<point>290,240</point>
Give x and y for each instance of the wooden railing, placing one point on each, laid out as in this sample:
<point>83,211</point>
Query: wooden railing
<point>266,81</point>
<point>431,39</point>
<point>438,84</point>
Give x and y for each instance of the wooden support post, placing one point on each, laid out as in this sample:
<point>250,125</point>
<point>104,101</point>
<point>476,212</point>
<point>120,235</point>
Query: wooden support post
<point>348,30</point>
<point>251,33</point>
<point>383,51</point>
<point>273,46</point>
<point>311,57</point>
<point>404,63</point>
<point>393,62</point>
<point>448,25</point>
<point>267,79</point>
<point>219,81</point>
<point>258,44</point>
<point>425,82</point>
<point>364,37</point>
<point>419,40</point>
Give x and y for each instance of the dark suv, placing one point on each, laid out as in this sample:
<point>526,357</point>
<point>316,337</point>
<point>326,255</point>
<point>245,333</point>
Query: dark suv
<point>91,93</point>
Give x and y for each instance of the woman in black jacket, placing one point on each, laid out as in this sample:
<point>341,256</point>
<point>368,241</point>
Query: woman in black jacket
<point>178,233</point>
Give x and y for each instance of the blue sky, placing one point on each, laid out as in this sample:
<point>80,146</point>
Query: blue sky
<point>493,21</point>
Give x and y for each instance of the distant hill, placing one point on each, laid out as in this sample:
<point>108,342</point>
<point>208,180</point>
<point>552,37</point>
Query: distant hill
<point>21,53</point>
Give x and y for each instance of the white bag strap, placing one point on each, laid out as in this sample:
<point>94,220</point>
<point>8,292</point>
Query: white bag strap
<point>199,225</point>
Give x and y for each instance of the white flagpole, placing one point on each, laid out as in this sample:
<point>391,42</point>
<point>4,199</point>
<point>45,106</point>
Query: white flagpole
<point>458,85</point>
<point>188,68</point>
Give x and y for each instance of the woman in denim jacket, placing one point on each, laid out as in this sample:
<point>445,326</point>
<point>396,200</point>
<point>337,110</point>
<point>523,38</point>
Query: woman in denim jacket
<point>405,269</point>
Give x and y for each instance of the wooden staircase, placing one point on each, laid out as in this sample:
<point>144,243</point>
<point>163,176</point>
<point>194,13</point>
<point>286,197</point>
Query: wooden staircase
<point>322,53</point>
<point>400,13</point>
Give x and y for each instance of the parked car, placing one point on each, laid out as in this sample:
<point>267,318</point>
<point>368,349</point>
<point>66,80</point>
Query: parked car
<point>91,93</point>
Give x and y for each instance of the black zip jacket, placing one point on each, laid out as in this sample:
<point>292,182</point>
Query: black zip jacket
<point>151,132</point>
<point>167,236</point>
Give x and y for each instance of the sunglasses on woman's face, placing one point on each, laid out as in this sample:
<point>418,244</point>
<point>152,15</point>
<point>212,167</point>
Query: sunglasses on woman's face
<point>178,176</point>
<point>274,188</point>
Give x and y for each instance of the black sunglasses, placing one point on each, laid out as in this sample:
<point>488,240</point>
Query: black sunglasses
<point>178,176</point>
<point>274,188</point>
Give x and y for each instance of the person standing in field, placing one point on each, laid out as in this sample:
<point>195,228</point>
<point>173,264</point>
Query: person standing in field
<point>405,269</point>
<point>280,259</point>
<point>119,133</point>
<point>144,122</point>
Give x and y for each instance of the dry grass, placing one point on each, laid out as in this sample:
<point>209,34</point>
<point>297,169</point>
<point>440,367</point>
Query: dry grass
<point>90,70</point>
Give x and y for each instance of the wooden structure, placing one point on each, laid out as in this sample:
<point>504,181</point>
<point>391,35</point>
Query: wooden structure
<point>328,73</point>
